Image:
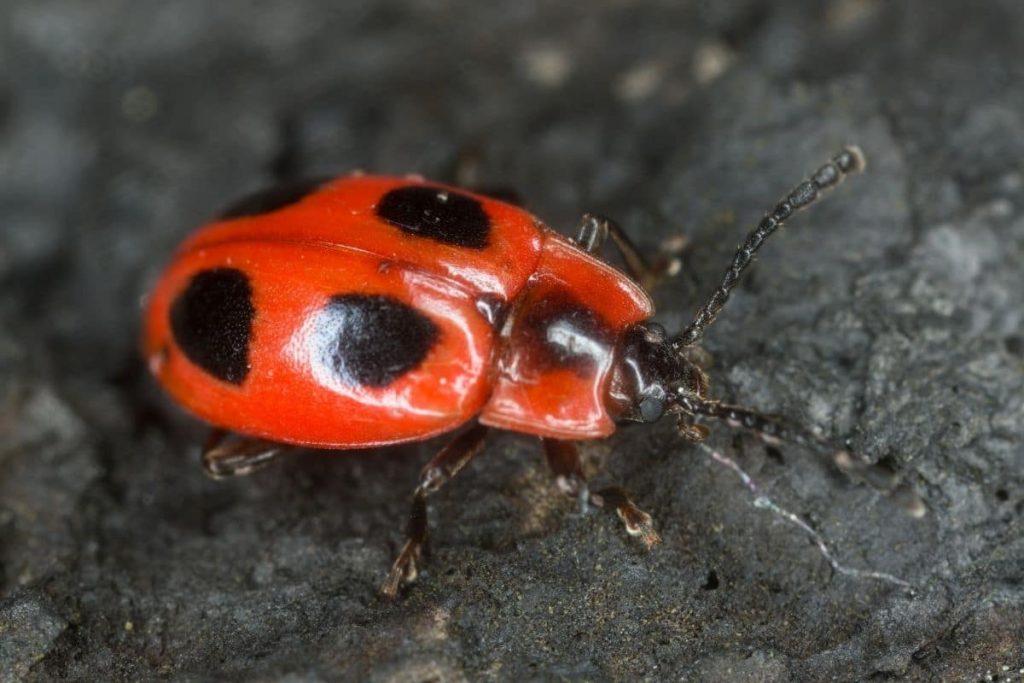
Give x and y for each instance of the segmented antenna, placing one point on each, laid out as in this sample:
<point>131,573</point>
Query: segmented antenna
<point>847,162</point>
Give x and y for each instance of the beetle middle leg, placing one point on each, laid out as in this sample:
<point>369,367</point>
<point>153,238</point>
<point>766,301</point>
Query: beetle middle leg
<point>594,230</point>
<point>434,475</point>
<point>564,460</point>
<point>225,455</point>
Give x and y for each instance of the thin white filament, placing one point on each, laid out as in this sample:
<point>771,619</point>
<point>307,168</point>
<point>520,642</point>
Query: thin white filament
<point>764,502</point>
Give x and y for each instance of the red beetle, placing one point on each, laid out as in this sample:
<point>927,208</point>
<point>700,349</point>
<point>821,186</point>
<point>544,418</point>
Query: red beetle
<point>365,310</point>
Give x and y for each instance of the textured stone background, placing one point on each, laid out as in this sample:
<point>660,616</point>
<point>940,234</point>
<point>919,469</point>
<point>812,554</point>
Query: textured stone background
<point>891,316</point>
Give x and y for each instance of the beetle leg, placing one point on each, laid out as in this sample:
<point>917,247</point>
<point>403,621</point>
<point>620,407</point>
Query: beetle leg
<point>227,456</point>
<point>594,231</point>
<point>564,460</point>
<point>434,475</point>
<point>638,523</point>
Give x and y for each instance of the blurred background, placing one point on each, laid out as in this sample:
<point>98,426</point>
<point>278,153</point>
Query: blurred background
<point>890,317</point>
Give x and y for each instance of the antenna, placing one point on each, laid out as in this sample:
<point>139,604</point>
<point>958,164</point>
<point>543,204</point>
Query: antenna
<point>847,162</point>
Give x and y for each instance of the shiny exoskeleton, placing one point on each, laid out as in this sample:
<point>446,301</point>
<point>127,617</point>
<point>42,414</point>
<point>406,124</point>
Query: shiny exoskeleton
<point>365,310</point>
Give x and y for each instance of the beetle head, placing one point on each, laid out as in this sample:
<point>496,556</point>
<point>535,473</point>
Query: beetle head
<point>652,377</point>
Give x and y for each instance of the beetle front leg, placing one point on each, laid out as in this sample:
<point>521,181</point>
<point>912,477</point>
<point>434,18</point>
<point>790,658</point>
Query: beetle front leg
<point>594,231</point>
<point>434,475</point>
<point>564,460</point>
<point>225,455</point>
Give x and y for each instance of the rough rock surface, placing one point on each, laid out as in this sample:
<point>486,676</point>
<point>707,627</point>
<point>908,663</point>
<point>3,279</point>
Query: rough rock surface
<point>890,315</point>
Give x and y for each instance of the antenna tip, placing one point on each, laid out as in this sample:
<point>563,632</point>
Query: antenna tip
<point>851,160</point>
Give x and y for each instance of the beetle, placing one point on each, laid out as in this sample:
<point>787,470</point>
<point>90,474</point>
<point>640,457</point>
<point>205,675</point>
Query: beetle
<point>361,311</point>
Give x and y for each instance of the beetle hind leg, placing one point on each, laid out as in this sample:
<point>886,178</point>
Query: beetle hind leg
<point>434,475</point>
<point>225,455</point>
<point>564,460</point>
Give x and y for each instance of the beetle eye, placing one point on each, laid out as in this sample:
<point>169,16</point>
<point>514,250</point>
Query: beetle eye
<point>651,409</point>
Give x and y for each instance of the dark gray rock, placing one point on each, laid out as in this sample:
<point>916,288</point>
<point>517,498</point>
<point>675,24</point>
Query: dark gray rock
<point>890,315</point>
<point>29,625</point>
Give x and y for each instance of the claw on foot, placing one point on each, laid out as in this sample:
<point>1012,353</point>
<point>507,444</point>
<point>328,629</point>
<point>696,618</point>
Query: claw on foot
<point>403,571</point>
<point>639,524</point>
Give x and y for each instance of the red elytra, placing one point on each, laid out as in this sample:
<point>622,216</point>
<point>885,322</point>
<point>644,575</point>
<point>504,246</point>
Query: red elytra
<point>524,326</point>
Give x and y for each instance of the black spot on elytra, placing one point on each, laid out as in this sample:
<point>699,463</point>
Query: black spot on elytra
<point>560,332</point>
<point>371,339</point>
<point>211,321</point>
<point>437,214</point>
<point>271,199</point>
